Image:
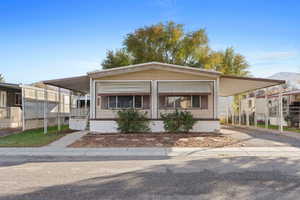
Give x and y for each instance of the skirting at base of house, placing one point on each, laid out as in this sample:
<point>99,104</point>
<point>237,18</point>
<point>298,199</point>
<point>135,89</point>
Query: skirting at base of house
<point>111,126</point>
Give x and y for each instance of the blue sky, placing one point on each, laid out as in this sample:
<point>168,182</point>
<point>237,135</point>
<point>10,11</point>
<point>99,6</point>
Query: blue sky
<point>41,40</point>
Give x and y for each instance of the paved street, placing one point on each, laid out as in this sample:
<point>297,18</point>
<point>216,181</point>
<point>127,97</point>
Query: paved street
<point>91,178</point>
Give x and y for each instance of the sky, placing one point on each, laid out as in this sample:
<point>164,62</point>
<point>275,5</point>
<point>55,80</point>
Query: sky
<point>42,40</point>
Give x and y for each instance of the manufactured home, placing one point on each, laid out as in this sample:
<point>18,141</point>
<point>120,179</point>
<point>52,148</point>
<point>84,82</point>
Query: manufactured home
<point>156,88</point>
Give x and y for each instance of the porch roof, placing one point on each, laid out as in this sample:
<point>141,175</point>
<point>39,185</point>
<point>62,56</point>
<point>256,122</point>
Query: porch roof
<point>76,83</point>
<point>232,85</point>
<point>228,85</point>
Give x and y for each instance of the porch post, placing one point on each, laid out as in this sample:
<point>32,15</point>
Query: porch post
<point>217,98</point>
<point>85,104</point>
<point>280,111</point>
<point>154,113</point>
<point>240,109</point>
<point>45,110</point>
<point>23,109</point>
<point>59,110</point>
<point>232,114</point>
<point>266,109</point>
<point>227,110</point>
<point>247,110</point>
<point>216,83</point>
<point>255,120</point>
<point>92,99</point>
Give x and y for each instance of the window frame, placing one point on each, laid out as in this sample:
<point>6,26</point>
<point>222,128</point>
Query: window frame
<point>189,108</point>
<point>133,103</point>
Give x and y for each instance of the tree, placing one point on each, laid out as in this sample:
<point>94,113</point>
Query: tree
<point>230,63</point>
<point>1,78</point>
<point>169,43</point>
<point>166,43</point>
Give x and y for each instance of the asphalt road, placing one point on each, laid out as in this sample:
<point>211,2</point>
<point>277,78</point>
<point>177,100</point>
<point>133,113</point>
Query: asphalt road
<point>69,178</point>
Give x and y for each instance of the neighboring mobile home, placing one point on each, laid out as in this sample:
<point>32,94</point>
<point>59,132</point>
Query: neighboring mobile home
<point>10,105</point>
<point>157,88</point>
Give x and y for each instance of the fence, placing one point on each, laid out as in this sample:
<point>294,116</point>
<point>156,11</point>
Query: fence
<point>266,113</point>
<point>40,104</point>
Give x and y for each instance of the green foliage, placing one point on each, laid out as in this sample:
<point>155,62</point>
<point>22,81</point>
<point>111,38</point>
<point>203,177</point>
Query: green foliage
<point>116,59</point>
<point>169,43</point>
<point>178,121</point>
<point>132,121</point>
<point>1,78</point>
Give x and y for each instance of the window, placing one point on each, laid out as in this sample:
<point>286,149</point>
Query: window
<point>2,99</point>
<point>184,102</point>
<point>123,102</point>
<point>18,99</point>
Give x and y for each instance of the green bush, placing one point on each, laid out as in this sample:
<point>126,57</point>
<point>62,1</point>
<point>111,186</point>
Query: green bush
<point>178,121</point>
<point>132,121</point>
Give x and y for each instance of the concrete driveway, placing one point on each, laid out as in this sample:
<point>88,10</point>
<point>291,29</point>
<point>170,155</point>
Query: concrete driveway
<point>218,178</point>
<point>259,138</point>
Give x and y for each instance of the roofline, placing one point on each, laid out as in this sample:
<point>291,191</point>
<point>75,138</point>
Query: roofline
<point>62,79</point>
<point>155,63</point>
<point>254,79</point>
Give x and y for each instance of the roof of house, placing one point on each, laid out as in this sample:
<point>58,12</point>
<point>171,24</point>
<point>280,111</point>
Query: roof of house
<point>229,85</point>
<point>10,86</point>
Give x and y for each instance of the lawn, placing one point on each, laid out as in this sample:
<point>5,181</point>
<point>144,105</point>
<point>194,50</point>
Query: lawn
<point>275,127</point>
<point>33,138</point>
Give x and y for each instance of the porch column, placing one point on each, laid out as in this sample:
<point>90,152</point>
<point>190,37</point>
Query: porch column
<point>92,99</point>
<point>266,109</point>
<point>154,102</point>
<point>247,109</point>
<point>280,111</point>
<point>45,111</point>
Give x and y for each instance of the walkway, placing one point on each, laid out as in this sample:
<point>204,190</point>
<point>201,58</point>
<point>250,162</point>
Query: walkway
<point>252,137</point>
<point>68,139</point>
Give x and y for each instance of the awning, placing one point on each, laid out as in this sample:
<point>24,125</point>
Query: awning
<point>232,85</point>
<point>136,87</point>
<point>78,83</point>
<point>184,87</point>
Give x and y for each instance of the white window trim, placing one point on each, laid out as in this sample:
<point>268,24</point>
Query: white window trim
<point>118,108</point>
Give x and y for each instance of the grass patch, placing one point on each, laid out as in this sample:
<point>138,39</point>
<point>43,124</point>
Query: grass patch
<point>275,127</point>
<point>33,138</point>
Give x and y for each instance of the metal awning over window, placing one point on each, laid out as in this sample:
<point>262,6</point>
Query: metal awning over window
<point>123,88</point>
<point>185,87</point>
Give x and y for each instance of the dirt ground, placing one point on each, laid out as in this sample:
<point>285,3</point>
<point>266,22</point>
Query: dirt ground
<point>155,140</point>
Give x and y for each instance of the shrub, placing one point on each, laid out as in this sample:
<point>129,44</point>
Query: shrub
<point>132,121</point>
<point>178,121</point>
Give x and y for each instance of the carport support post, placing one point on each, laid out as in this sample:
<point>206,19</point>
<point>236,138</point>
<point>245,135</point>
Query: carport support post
<point>255,119</point>
<point>227,110</point>
<point>23,109</point>
<point>85,104</point>
<point>266,109</point>
<point>240,109</point>
<point>280,111</point>
<point>247,109</point>
<point>59,108</point>
<point>45,111</point>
